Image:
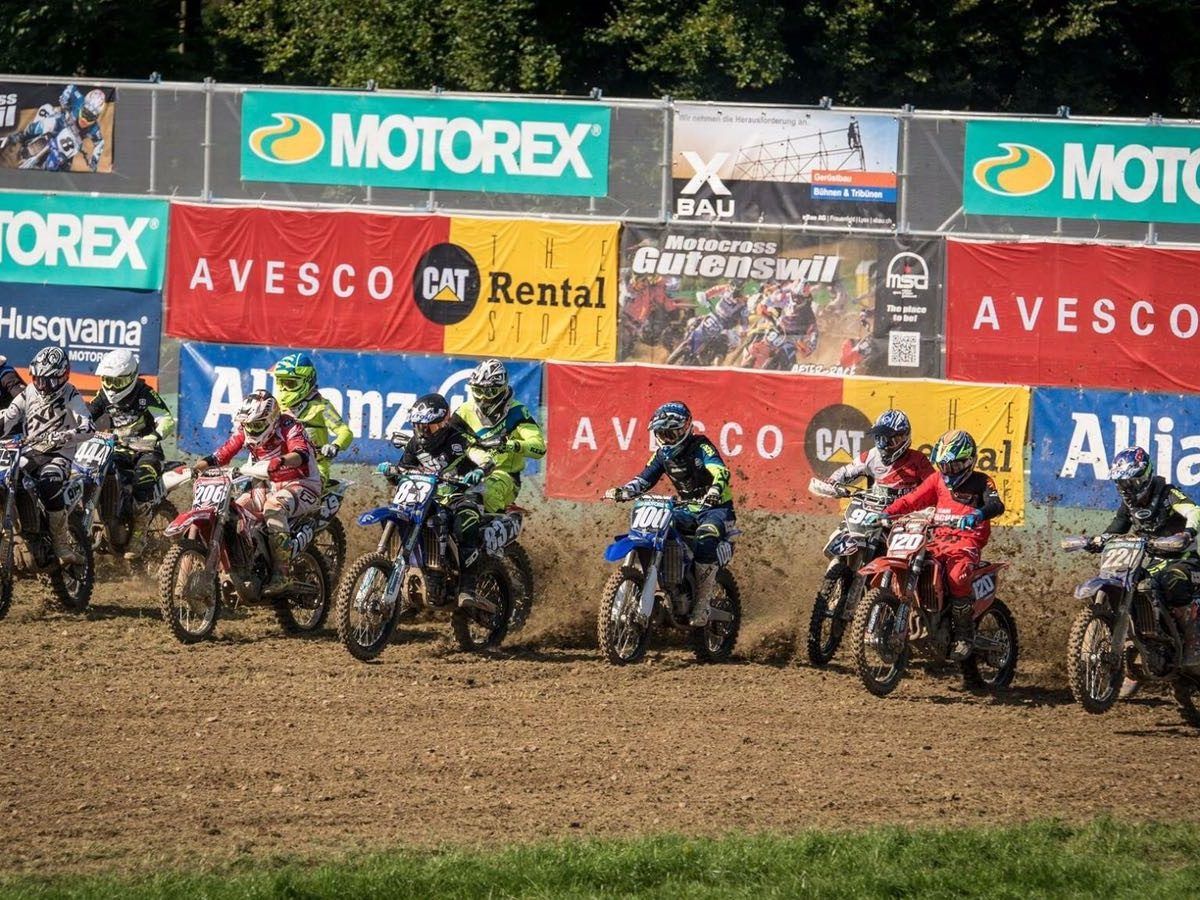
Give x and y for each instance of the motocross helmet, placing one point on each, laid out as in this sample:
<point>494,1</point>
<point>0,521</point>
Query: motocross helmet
<point>1133,472</point>
<point>671,424</point>
<point>118,372</point>
<point>893,435</point>
<point>954,455</point>
<point>257,416</point>
<point>50,370</point>
<point>489,388</point>
<point>428,415</point>
<point>295,379</point>
<point>93,105</point>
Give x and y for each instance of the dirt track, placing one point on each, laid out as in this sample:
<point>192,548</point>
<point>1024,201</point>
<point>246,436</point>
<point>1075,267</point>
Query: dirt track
<point>123,749</point>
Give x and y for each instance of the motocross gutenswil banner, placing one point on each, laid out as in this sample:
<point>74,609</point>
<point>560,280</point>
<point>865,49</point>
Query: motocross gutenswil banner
<point>57,127</point>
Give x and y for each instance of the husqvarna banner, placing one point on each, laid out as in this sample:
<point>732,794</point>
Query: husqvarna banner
<point>433,143</point>
<point>762,299</point>
<point>1073,314</point>
<point>373,281</point>
<point>1143,173</point>
<point>771,164</point>
<point>775,430</point>
<point>1077,433</point>
<point>372,391</point>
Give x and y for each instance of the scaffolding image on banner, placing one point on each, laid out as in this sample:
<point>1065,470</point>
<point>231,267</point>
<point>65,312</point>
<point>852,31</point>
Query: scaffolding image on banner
<point>57,127</point>
<point>768,164</point>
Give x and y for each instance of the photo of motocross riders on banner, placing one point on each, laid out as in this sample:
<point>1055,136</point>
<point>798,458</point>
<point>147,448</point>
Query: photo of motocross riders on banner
<point>57,127</point>
<point>762,299</point>
<point>768,164</point>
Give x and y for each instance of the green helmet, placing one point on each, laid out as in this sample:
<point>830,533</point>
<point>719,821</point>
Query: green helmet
<point>295,379</point>
<point>954,456</point>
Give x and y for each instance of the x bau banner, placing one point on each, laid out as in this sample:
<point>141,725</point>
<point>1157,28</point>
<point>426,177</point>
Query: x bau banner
<point>1077,433</point>
<point>57,127</point>
<point>372,281</point>
<point>1073,314</point>
<point>703,296</point>
<point>775,431</point>
<point>766,164</point>
<point>372,392</point>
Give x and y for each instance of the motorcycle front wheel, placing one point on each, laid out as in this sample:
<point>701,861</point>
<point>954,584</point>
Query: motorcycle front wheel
<point>623,640</point>
<point>827,623</point>
<point>522,576</point>
<point>305,610</point>
<point>365,617</point>
<point>880,657</point>
<point>477,629</point>
<point>188,595</point>
<point>715,641</point>
<point>993,662</point>
<point>1094,671</point>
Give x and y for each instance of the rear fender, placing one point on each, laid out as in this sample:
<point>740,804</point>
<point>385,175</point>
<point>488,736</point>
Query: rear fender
<point>200,519</point>
<point>381,514</point>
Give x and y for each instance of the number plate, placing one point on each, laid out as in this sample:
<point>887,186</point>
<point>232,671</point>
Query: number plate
<point>412,492</point>
<point>9,457</point>
<point>905,542</point>
<point>93,454</point>
<point>209,494</point>
<point>650,517</point>
<point>1118,558</point>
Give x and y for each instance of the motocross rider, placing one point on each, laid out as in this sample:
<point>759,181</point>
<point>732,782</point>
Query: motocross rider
<point>701,479</point>
<point>296,389</point>
<point>75,110</point>
<point>492,413</point>
<point>294,485</point>
<point>957,490</point>
<point>891,462</point>
<point>797,321</point>
<point>728,311</point>
<point>52,414</point>
<point>11,383</point>
<point>140,419</point>
<point>439,444</point>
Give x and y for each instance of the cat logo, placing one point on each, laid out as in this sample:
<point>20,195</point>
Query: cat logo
<point>446,284</point>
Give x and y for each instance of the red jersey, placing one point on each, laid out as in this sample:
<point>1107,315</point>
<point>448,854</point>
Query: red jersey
<point>903,475</point>
<point>286,437</point>
<point>977,492</point>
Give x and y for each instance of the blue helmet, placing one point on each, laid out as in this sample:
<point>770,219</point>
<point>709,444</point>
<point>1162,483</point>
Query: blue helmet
<point>893,435</point>
<point>671,424</point>
<point>1133,472</point>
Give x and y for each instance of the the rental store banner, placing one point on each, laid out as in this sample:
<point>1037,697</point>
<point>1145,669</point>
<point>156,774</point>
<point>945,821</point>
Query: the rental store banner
<point>773,299</point>
<point>426,142</point>
<point>372,281</point>
<point>57,127</point>
<point>1077,433</point>
<point>775,430</point>
<point>1073,314</point>
<point>767,164</point>
<point>372,391</point>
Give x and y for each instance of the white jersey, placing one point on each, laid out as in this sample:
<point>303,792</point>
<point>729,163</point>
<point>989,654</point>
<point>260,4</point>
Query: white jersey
<point>38,416</point>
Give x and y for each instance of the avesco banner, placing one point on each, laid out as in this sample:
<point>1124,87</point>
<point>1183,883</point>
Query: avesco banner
<point>372,392</point>
<point>76,239</point>
<point>1077,433</point>
<point>1143,173</point>
<point>442,143</point>
<point>1073,314</point>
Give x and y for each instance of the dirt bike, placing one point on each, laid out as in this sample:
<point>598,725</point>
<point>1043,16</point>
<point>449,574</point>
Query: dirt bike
<point>907,607</point>
<point>25,544</point>
<point>416,567</point>
<point>655,586</point>
<point>704,343</point>
<point>858,541</point>
<point>1120,610</point>
<point>654,320</point>
<point>51,152</point>
<point>220,556</point>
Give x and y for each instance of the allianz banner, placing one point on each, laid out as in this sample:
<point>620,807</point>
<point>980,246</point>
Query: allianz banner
<point>775,431</point>
<point>773,299</point>
<point>773,164</point>
<point>372,281</point>
<point>429,143</point>
<point>1141,173</point>
<point>372,392</point>
<point>1077,433</point>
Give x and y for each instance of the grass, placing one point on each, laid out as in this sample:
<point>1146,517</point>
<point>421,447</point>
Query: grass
<point>1104,859</point>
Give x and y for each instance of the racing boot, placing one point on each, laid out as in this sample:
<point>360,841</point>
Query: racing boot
<point>60,537</point>
<point>964,630</point>
<point>139,535</point>
<point>706,586</point>
<point>467,597</point>
<point>281,562</point>
<point>1189,629</point>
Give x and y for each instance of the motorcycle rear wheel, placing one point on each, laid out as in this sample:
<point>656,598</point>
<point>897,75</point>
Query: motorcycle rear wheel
<point>365,626</point>
<point>188,597</point>
<point>477,630</point>
<point>879,673</point>
<point>622,639</point>
<point>1094,684</point>
<point>993,670</point>
<point>827,623</point>
<point>715,641</point>
<point>72,584</point>
<point>304,615</point>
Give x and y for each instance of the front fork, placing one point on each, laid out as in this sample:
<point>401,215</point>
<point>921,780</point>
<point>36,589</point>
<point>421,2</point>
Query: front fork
<point>1120,629</point>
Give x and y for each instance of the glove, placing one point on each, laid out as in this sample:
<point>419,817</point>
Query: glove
<point>619,494</point>
<point>473,477</point>
<point>384,468</point>
<point>884,521</point>
<point>330,450</point>
<point>512,447</point>
<point>201,464</point>
<point>1095,543</point>
<point>712,497</point>
<point>970,520</point>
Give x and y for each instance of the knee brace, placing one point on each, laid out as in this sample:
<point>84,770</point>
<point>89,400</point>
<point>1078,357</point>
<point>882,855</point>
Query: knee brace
<point>708,537</point>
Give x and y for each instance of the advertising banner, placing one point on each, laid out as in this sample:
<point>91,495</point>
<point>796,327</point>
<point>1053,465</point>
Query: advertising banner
<point>699,295</point>
<point>428,143</point>
<point>57,127</point>
<point>775,431</point>
<point>1141,173</point>
<point>767,164</point>
<point>84,240</point>
<point>372,281</point>
<point>373,392</point>
<point>1077,433</point>
<point>1073,314</point>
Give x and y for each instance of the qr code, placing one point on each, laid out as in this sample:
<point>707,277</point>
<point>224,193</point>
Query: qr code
<point>904,348</point>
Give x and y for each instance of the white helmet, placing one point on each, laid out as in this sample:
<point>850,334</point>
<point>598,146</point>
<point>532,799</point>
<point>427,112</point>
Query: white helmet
<point>489,388</point>
<point>118,372</point>
<point>92,107</point>
<point>257,416</point>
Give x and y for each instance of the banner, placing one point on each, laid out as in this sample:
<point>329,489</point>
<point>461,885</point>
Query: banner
<point>775,431</point>
<point>769,164</point>
<point>85,240</point>
<point>429,143</point>
<point>57,127</point>
<point>1077,433</point>
<point>1073,314</point>
<point>372,281</point>
<point>372,392</point>
<point>1143,173</point>
<point>696,295</point>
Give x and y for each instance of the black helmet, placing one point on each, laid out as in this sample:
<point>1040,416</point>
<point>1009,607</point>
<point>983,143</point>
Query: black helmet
<point>432,409</point>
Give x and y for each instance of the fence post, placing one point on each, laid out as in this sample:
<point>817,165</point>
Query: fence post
<point>664,212</point>
<point>152,138</point>
<point>1151,233</point>
<point>206,190</point>
<point>902,176</point>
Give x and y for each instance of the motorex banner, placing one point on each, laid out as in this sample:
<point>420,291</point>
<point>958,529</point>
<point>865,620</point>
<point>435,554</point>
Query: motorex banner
<point>429,143</point>
<point>90,241</point>
<point>373,392</point>
<point>1077,433</point>
<point>1141,173</point>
